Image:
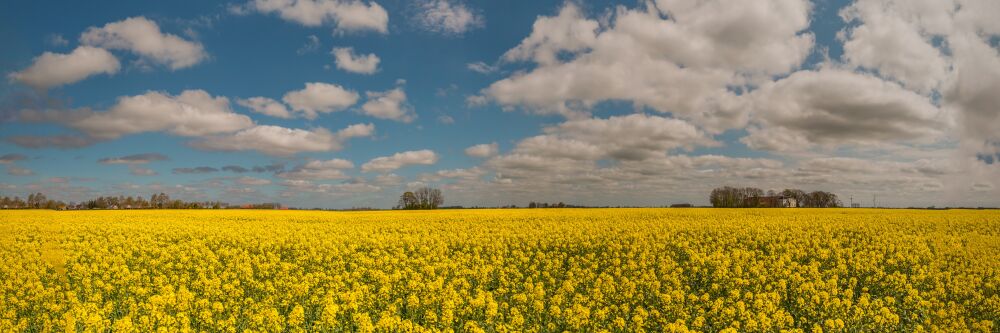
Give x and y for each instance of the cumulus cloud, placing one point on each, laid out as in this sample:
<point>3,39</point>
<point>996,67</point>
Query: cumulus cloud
<point>631,137</point>
<point>281,141</point>
<point>971,92</point>
<point>143,37</point>
<point>447,17</point>
<point>134,159</point>
<point>319,170</point>
<point>318,97</point>
<point>345,15</point>
<point>834,108</point>
<point>265,106</point>
<point>677,57</point>
<point>897,48</point>
<point>253,181</point>
<point>54,69</point>
<point>191,113</point>
<point>469,174</point>
<point>483,150</point>
<point>398,160</point>
<point>390,105</point>
<point>355,63</point>
<point>569,31</point>
<point>945,50</point>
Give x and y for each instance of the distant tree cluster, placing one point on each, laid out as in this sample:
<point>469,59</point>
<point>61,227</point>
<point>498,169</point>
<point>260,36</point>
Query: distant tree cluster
<point>156,201</point>
<point>34,201</point>
<point>751,197</point>
<point>550,205</point>
<point>423,198</point>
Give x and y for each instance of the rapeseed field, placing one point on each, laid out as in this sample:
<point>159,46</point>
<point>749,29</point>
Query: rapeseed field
<point>545,270</point>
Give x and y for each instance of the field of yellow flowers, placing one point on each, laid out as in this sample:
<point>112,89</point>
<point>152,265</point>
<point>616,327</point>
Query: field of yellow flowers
<point>587,270</point>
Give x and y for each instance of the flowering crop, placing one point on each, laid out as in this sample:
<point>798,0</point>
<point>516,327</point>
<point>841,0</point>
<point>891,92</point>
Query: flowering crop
<point>614,270</point>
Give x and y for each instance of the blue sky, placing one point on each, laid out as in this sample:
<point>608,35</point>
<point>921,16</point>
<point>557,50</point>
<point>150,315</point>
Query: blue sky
<point>754,105</point>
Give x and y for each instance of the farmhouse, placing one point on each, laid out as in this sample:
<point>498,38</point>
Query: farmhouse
<point>777,201</point>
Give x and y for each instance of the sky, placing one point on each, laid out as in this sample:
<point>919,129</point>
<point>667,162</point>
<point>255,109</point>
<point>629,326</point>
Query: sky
<point>342,103</point>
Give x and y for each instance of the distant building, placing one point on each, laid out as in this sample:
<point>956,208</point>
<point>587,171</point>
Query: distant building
<point>777,201</point>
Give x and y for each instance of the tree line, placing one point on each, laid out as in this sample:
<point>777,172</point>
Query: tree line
<point>551,205</point>
<point>156,201</point>
<point>751,197</point>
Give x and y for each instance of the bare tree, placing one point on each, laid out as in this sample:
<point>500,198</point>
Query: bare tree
<point>429,198</point>
<point>736,197</point>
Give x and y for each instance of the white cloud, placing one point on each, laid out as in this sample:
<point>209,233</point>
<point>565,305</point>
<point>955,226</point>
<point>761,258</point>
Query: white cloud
<point>569,31</point>
<point>350,187</point>
<point>345,15</point>
<point>266,106</point>
<point>192,113</point>
<point>56,40</point>
<point>318,97</point>
<point>744,36</point>
<point>134,159</point>
<point>388,179</point>
<point>252,181</point>
<point>281,141</point>
<point>336,163</point>
<point>318,170</point>
<point>483,150</point>
<point>838,108</point>
<point>356,131</point>
<point>684,64</point>
<point>398,160</point>
<point>897,48</point>
<point>355,63</point>
<point>389,105</point>
<point>446,119</point>
<point>54,69</point>
<point>943,49</point>
<point>143,37</point>
<point>470,174</point>
<point>140,171</point>
<point>481,67</point>
<point>631,137</point>
<point>18,171</point>
<point>971,92</point>
<point>447,17</point>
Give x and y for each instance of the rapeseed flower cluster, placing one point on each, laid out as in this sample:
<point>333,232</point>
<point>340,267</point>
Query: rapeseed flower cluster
<point>587,270</point>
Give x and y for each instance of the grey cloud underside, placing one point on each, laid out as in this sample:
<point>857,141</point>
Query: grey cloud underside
<point>11,158</point>
<point>195,170</point>
<point>134,159</point>
<point>56,141</point>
